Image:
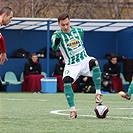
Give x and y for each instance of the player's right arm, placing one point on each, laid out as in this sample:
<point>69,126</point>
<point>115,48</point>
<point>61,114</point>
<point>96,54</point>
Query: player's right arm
<point>55,41</point>
<point>2,44</point>
<point>3,57</point>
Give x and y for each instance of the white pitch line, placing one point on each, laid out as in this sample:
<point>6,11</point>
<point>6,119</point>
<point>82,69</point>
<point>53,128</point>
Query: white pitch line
<point>41,100</point>
<point>57,112</point>
<point>13,99</point>
<point>122,108</point>
<point>107,102</point>
<point>60,112</point>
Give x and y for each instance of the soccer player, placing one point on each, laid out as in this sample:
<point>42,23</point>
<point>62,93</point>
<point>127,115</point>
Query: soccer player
<point>6,15</point>
<point>129,92</point>
<point>70,41</point>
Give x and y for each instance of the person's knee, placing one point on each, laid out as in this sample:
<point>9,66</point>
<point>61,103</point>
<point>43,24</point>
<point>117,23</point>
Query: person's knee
<point>96,63</point>
<point>92,63</point>
<point>68,79</point>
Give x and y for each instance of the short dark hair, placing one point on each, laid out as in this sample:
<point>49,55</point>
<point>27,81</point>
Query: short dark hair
<point>113,56</point>
<point>6,10</point>
<point>63,16</point>
<point>33,54</point>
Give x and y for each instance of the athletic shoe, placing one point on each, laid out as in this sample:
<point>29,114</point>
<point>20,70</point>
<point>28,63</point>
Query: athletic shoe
<point>39,92</point>
<point>124,95</point>
<point>73,114</point>
<point>98,98</point>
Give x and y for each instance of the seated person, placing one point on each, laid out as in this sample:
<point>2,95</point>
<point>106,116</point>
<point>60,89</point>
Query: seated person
<point>32,75</point>
<point>58,73</point>
<point>59,68</point>
<point>85,84</point>
<point>112,69</point>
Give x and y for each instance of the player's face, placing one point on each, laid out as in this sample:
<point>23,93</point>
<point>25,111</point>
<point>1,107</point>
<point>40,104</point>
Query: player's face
<point>7,19</point>
<point>65,25</point>
<point>114,60</point>
<point>34,58</point>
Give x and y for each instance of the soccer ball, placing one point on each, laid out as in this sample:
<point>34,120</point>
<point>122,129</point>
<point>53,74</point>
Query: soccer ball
<point>101,111</point>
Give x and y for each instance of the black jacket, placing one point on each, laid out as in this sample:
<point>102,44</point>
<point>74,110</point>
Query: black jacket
<point>32,67</point>
<point>112,68</point>
<point>59,68</point>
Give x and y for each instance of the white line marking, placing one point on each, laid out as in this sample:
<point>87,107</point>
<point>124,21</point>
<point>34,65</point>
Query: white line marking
<point>57,112</point>
<point>13,99</point>
<point>107,102</point>
<point>122,108</point>
<point>60,112</point>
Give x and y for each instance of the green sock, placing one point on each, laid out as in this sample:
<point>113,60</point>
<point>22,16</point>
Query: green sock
<point>69,94</point>
<point>130,89</point>
<point>96,77</point>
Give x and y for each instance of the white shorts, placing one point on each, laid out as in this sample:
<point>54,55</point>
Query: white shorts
<point>76,70</point>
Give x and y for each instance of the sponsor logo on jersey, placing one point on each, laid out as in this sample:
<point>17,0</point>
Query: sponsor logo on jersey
<point>73,43</point>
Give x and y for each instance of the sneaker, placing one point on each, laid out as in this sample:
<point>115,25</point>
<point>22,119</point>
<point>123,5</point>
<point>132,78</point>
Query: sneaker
<point>124,95</point>
<point>39,92</point>
<point>98,98</point>
<point>73,114</point>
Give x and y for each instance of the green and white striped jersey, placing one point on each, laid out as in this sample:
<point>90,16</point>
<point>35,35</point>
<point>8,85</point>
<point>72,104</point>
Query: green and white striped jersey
<point>71,45</point>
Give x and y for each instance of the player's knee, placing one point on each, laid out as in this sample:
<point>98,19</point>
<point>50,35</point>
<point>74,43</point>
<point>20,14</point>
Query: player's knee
<point>68,79</point>
<point>92,63</point>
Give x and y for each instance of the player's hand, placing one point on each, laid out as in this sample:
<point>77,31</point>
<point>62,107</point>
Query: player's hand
<point>57,41</point>
<point>3,58</point>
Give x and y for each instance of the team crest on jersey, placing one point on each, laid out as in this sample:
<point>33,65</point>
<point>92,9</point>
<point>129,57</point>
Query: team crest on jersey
<point>73,43</point>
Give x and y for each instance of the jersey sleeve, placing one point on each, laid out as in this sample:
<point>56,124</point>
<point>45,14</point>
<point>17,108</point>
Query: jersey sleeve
<point>2,44</point>
<point>82,34</point>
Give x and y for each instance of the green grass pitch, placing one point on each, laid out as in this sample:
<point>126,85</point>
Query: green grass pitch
<point>48,113</point>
